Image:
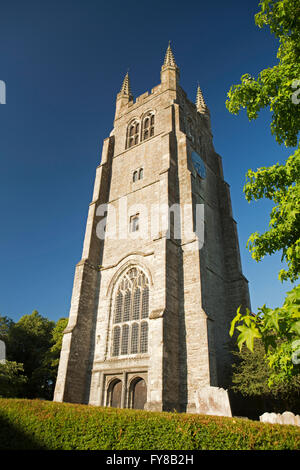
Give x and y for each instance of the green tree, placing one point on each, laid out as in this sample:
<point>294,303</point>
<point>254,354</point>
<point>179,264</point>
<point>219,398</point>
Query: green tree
<point>276,88</point>
<point>28,343</point>
<point>279,330</point>
<point>12,380</point>
<point>251,375</point>
<point>5,325</point>
<point>33,346</point>
<point>53,354</point>
<point>57,337</point>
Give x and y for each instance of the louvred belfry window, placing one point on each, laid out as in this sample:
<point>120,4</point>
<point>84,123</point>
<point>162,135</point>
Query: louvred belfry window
<point>148,126</point>
<point>131,311</point>
<point>133,134</point>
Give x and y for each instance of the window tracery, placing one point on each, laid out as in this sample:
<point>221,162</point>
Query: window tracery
<point>131,311</point>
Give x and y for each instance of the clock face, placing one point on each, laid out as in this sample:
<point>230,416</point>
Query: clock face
<point>198,164</point>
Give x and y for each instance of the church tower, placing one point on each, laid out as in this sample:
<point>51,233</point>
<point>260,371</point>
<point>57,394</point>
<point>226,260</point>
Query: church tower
<point>160,277</point>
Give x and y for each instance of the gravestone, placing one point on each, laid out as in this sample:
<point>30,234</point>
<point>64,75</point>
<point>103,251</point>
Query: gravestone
<point>285,418</point>
<point>212,401</point>
<point>2,351</point>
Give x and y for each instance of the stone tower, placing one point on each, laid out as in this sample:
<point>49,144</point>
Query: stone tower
<point>156,289</point>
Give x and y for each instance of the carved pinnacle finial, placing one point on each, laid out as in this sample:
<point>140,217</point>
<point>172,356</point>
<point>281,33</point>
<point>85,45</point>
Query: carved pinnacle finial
<point>169,57</point>
<point>200,102</point>
<point>126,90</point>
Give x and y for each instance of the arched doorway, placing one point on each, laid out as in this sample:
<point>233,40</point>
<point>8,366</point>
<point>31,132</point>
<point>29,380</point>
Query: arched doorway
<point>138,393</point>
<point>114,394</point>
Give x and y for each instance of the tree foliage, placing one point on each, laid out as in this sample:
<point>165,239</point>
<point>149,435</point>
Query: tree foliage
<point>33,348</point>
<point>29,340</point>
<point>5,325</point>
<point>281,184</point>
<point>12,379</point>
<point>57,336</point>
<point>251,374</point>
<point>276,88</point>
<point>279,330</point>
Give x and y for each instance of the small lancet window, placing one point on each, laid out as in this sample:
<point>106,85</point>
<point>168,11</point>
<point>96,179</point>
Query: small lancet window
<point>135,176</point>
<point>134,223</point>
<point>138,175</point>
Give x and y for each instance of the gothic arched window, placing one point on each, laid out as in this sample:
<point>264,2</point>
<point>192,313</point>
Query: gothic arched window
<point>131,311</point>
<point>148,126</point>
<point>133,134</point>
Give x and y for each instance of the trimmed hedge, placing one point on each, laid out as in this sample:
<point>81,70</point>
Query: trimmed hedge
<point>36,424</point>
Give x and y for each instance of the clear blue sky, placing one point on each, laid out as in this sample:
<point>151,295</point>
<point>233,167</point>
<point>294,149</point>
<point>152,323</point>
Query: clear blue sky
<point>63,61</point>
